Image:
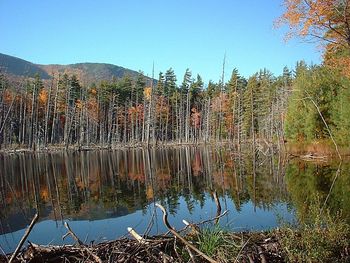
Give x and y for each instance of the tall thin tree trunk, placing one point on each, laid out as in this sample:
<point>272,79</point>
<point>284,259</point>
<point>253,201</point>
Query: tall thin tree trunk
<point>149,110</point>
<point>47,115</point>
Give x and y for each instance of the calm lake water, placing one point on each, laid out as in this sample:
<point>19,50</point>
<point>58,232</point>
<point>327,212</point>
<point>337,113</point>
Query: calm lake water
<point>101,193</point>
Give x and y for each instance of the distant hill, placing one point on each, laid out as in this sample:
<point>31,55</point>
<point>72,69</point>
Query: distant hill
<point>90,72</point>
<point>19,67</point>
<point>86,72</point>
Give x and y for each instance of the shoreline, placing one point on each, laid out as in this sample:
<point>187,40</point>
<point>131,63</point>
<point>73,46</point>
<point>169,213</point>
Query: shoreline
<point>318,241</point>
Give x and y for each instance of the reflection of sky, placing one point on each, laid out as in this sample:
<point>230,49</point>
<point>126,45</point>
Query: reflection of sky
<point>51,232</point>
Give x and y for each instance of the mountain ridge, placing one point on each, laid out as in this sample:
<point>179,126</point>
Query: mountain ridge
<point>87,72</point>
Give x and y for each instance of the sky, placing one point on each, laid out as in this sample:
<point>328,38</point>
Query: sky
<point>137,33</point>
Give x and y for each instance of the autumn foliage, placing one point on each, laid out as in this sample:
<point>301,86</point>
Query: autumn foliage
<point>325,20</point>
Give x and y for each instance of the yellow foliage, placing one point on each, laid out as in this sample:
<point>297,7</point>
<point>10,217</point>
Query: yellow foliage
<point>93,91</point>
<point>147,93</point>
<point>79,104</point>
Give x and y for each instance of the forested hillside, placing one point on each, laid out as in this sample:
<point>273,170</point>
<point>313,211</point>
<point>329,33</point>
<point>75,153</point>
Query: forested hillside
<point>87,73</point>
<point>19,67</point>
<point>306,104</point>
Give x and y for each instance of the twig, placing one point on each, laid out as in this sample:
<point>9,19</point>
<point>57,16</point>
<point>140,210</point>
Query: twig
<point>330,189</point>
<point>172,230</point>
<point>26,234</point>
<point>191,255</point>
<point>150,223</point>
<point>325,123</point>
<point>195,225</point>
<point>175,249</point>
<point>3,252</point>
<point>75,237</point>
<point>213,219</point>
<point>97,258</point>
<point>70,232</point>
<point>250,258</point>
<point>239,253</point>
<point>262,256</point>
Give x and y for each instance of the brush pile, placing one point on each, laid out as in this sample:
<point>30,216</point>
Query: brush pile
<point>191,244</point>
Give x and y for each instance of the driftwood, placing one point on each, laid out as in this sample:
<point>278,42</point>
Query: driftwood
<point>311,156</point>
<point>23,239</point>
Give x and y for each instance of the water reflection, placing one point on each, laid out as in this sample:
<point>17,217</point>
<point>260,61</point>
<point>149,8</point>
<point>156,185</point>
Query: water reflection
<point>306,180</point>
<point>104,190</point>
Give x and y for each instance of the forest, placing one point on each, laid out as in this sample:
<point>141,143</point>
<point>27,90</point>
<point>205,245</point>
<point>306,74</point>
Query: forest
<point>306,104</point>
<point>82,144</point>
<point>290,107</point>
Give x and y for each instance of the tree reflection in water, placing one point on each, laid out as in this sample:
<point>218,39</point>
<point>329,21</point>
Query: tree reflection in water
<point>100,185</point>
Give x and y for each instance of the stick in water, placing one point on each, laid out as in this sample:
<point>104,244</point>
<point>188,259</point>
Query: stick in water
<point>26,234</point>
<point>172,230</point>
<point>71,233</point>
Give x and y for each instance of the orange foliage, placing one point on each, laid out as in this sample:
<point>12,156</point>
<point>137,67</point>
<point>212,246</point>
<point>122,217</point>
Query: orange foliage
<point>140,177</point>
<point>338,58</point>
<point>320,19</point>
<point>162,107</point>
<point>163,178</point>
<point>8,96</point>
<point>149,193</point>
<point>44,194</point>
<point>43,96</point>
<point>136,112</point>
<point>92,107</point>
<point>79,104</point>
<point>93,91</point>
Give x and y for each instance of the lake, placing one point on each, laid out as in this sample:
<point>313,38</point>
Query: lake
<point>101,193</point>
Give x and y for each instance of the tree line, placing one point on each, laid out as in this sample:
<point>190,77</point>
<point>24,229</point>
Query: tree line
<point>137,110</point>
<point>305,104</point>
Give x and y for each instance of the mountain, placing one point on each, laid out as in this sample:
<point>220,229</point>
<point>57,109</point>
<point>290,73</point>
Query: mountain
<point>90,72</point>
<point>86,72</point>
<point>19,67</point>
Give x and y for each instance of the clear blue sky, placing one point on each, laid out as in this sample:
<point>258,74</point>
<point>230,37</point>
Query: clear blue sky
<point>134,33</point>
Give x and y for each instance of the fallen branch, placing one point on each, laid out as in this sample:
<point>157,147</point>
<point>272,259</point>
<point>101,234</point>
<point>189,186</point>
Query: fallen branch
<point>26,234</point>
<point>173,231</point>
<point>71,233</point>
<point>240,251</point>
